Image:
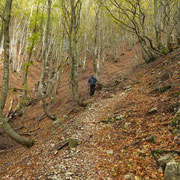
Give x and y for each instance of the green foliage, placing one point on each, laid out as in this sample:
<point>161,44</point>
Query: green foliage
<point>165,50</point>
<point>12,90</point>
<point>157,153</point>
<point>25,86</point>
<point>26,65</point>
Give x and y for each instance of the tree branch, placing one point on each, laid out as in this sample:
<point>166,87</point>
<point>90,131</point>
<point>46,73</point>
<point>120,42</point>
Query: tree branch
<point>2,18</point>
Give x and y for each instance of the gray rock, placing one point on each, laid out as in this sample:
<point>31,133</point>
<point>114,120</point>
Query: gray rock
<point>126,126</point>
<point>172,171</point>
<point>164,160</point>
<point>152,111</point>
<point>129,177</point>
<point>119,117</point>
<point>72,142</point>
<point>136,178</point>
<point>110,152</point>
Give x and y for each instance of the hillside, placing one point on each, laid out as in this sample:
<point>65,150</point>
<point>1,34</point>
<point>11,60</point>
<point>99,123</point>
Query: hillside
<point>113,129</point>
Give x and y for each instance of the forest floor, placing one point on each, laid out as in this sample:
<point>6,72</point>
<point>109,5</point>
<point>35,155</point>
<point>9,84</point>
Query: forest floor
<point>113,129</point>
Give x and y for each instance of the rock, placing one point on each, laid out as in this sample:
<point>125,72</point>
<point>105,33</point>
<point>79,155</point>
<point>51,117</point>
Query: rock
<point>72,142</point>
<point>152,111</point>
<point>127,88</point>
<point>146,178</point>
<point>109,121</point>
<point>136,178</point>
<point>126,126</point>
<point>113,119</point>
<point>68,174</point>
<point>151,139</point>
<point>119,117</point>
<point>172,171</point>
<point>164,160</point>
<point>129,177</point>
<point>110,152</point>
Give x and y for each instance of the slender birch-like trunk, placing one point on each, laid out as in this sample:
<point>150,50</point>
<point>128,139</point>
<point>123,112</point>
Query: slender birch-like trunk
<point>42,89</point>
<point>178,24</point>
<point>136,61</point>
<point>3,121</point>
<point>85,42</point>
<point>72,13</point>
<point>157,20</point>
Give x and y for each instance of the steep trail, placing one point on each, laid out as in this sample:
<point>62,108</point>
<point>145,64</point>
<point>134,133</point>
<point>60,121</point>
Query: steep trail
<point>107,151</point>
<point>40,128</point>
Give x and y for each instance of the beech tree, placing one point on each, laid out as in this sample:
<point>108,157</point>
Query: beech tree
<point>72,12</point>
<point>42,87</point>
<point>1,31</point>
<point>178,24</point>
<point>134,18</point>
<point>157,19</point>
<point>5,84</point>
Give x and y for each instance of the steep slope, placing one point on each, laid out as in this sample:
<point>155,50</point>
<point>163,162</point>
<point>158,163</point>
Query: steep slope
<point>113,129</point>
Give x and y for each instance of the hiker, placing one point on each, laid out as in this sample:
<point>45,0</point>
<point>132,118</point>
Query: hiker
<point>92,82</point>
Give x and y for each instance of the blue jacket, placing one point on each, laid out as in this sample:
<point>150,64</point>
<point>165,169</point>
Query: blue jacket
<point>92,81</point>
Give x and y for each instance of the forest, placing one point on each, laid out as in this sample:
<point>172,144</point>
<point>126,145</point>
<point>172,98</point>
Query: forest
<point>50,128</point>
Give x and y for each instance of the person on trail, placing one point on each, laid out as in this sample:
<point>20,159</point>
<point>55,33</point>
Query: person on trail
<point>92,82</point>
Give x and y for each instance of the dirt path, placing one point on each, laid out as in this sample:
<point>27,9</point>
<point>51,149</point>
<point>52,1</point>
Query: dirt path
<point>79,163</point>
<point>107,151</point>
<point>40,161</point>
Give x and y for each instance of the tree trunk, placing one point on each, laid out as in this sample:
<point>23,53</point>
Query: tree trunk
<point>147,52</point>
<point>2,35</point>
<point>72,35</point>
<point>157,19</point>
<point>136,61</point>
<point>95,59</point>
<point>178,24</point>
<point>26,65</point>
<point>15,136</point>
<point>3,122</point>
<point>42,89</point>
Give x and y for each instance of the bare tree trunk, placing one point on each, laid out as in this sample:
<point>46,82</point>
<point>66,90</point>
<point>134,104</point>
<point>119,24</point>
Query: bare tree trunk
<point>136,61</point>
<point>42,89</point>
<point>71,12</point>
<point>27,64</point>
<point>136,24</point>
<point>178,24</point>
<point>147,52</point>
<point>2,35</point>
<point>95,59</point>
<point>85,42</point>
<point>3,121</point>
<point>1,46</point>
<point>157,18</point>
<point>168,25</point>
<point>123,44</point>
